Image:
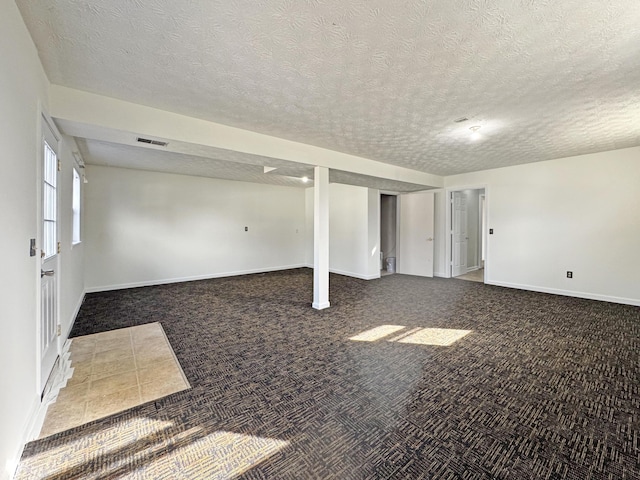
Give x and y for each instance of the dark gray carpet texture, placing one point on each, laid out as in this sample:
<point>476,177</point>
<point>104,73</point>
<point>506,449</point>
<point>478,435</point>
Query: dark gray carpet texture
<point>542,386</point>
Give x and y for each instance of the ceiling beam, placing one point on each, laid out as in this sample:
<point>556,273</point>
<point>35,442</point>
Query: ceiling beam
<point>97,117</point>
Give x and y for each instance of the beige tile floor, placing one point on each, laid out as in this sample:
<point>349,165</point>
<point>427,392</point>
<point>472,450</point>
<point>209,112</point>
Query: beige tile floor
<point>474,276</point>
<point>114,371</point>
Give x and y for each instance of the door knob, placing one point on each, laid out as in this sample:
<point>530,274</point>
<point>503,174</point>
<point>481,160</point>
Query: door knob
<point>430,239</point>
<point>48,273</point>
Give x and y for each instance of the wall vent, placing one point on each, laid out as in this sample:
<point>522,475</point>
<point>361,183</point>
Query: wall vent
<point>152,142</point>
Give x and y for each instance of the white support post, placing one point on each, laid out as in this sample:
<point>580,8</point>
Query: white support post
<point>321,238</point>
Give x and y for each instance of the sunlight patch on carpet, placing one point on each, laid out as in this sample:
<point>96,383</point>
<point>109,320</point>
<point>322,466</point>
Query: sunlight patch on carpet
<point>72,457</point>
<point>418,336</point>
<point>377,333</point>
<point>435,336</point>
<point>219,455</point>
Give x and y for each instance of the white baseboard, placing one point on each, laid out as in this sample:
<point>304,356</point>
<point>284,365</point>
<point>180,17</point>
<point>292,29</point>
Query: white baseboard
<point>348,274</point>
<point>440,274</point>
<point>321,306</point>
<point>355,275</point>
<point>74,316</point>
<point>567,293</point>
<point>164,281</point>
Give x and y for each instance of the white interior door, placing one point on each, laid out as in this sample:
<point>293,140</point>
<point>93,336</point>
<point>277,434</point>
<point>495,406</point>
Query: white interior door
<point>48,338</point>
<point>460,236</point>
<point>415,242</point>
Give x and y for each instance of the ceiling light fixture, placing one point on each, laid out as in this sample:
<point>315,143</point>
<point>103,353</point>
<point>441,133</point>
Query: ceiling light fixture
<point>475,135</point>
<point>305,179</point>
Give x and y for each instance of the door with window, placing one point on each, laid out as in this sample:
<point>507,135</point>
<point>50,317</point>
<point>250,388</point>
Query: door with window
<point>48,336</point>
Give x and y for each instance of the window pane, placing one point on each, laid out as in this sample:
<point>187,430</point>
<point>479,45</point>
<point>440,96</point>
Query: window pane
<point>75,238</point>
<point>49,203</point>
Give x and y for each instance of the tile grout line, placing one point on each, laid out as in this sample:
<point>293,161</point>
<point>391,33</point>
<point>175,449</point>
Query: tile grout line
<point>90,380</point>
<point>80,402</point>
<point>135,365</point>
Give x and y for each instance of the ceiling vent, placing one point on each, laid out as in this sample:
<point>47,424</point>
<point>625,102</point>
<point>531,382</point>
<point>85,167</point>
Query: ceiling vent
<point>461,119</point>
<point>152,142</point>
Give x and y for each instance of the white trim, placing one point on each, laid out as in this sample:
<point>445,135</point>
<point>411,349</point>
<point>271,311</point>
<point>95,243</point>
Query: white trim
<point>349,274</point>
<point>74,316</point>
<point>321,306</point>
<point>568,293</point>
<point>355,275</point>
<point>149,283</point>
<point>448,225</point>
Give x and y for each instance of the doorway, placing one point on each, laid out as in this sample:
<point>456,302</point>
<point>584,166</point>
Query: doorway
<point>468,241</point>
<point>388,233</point>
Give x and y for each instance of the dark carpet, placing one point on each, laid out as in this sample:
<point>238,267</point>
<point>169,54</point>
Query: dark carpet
<point>544,386</point>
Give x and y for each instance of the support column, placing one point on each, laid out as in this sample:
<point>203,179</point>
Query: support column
<point>321,238</point>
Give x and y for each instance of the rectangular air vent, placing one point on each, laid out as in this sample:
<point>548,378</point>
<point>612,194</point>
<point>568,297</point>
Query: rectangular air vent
<point>152,142</point>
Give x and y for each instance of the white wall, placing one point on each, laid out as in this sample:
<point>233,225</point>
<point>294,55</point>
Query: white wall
<point>348,230</point>
<point>23,86</point>
<point>23,96</point>
<point>354,230</point>
<point>71,267</point>
<point>579,213</point>
<point>147,228</point>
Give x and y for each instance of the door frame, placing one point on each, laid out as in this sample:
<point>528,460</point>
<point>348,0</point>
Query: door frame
<point>449,228</point>
<point>389,194</point>
<point>45,119</point>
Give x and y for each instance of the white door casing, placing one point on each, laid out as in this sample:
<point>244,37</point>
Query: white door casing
<point>48,347</point>
<point>416,233</point>
<point>459,234</point>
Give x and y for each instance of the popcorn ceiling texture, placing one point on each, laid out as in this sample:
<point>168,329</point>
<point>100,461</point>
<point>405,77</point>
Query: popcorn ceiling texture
<point>378,79</point>
<point>226,165</point>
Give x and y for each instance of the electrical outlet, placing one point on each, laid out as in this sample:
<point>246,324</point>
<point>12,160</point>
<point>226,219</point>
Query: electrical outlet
<point>491,231</point>
<point>569,274</point>
<point>246,229</point>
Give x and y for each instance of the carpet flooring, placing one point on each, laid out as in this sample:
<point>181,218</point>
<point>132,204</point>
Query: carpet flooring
<point>528,385</point>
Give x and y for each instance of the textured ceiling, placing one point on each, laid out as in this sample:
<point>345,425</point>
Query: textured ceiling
<point>142,158</point>
<point>148,158</point>
<point>378,79</point>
